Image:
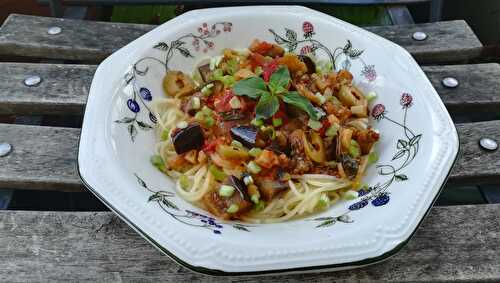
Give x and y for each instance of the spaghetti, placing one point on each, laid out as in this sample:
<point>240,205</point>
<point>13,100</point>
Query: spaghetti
<point>262,135</point>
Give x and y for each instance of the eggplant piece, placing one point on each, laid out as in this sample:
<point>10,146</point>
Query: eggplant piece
<point>247,135</point>
<point>232,115</point>
<point>205,72</point>
<point>350,166</point>
<point>188,138</point>
<point>311,67</point>
<point>270,188</point>
<point>239,185</point>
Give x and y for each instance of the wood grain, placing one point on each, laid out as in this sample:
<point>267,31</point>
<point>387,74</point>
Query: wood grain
<point>64,88</point>
<point>45,157</point>
<point>459,243</point>
<point>42,158</point>
<point>93,41</point>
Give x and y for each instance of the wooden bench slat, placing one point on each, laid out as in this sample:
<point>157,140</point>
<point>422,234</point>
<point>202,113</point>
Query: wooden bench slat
<point>45,157</point>
<point>454,243</point>
<point>65,88</point>
<point>93,41</point>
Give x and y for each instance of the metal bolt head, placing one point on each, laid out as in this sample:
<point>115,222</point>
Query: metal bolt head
<point>32,81</point>
<point>450,82</point>
<point>5,149</point>
<point>54,30</point>
<point>488,144</point>
<point>419,36</point>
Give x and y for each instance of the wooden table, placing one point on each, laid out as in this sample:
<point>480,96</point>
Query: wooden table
<point>454,243</point>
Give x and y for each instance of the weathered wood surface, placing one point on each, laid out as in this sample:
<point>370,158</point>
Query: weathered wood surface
<point>42,158</point>
<point>93,41</point>
<point>45,157</point>
<point>65,88</point>
<point>63,91</point>
<point>459,243</point>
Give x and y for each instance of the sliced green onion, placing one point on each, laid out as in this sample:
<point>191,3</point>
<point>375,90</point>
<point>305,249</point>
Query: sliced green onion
<point>236,143</point>
<point>209,121</point>
<point>235,103</point>
<point>184,182</point>
<point>226,191</point>
<point>214,62</point>
<point>157,161</point>
<point>260,205</point>
<point>255,151</point>
<point>206,110</point>
<point>207,90</point>
<point>354,149</point>
<point>164,135</point>
<point>248,180</point>
<point>257,122</point>
<point>350,195</point>
<point>199,116</point>
<point>253,167</point>
<point>197,77</point>
<point>255,198</point>
<point>269,131</point>
<point>233,208</point>
<point>323,201</point>
<point>218,174</point>
<point>196,103</point>
<point>371,96</point>
<point>315,125</point>
<point>372,157</point>
<point>258,71</point>
<point>277,122</point>
<point>182,125</point>
<point>320,97</point>
<point>332,130</point>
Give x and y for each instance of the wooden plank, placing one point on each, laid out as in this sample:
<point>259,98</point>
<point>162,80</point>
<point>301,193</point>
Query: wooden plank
<point>42,158</point>
<point>65,88</point>
<point>45,157</point>
<point>93,41</point>
<point>236,2</point>
<point>478,91</point>
<point>453,243</point>
<point>63,91</point>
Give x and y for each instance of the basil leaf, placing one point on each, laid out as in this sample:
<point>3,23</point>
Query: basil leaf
<point>297,100</point>
<point>266,107</point>
<point>278,83</point>
<point>252,87</point>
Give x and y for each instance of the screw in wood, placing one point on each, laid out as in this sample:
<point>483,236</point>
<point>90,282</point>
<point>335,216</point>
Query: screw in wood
<point>450,82</point>
<point>488,144</point>
<point>54,30</point>
<point>419,36</point>
<point>32,81</point>
<point>5,149</point>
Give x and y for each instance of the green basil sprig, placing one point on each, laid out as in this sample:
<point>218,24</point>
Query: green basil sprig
<point>269,94</point>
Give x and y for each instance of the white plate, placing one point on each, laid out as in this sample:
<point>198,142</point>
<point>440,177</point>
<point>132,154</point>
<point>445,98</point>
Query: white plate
<point>416,152</point>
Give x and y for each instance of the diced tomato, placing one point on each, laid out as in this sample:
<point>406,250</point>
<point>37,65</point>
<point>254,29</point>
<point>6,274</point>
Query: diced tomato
<point>262,48</point>
<point>257,60</point>
<point>325,127</point>
<point>269,69</point>
<point>281,114</point>
<point>210,146</point>
<point>221,103</point>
